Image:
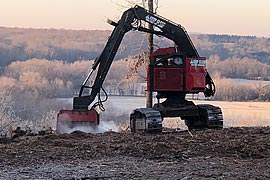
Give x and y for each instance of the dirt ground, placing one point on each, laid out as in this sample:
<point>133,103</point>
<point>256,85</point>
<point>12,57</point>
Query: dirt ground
<point>230,153</point>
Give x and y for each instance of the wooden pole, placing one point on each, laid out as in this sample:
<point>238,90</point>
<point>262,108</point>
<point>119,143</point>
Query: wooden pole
<point>149,95</point>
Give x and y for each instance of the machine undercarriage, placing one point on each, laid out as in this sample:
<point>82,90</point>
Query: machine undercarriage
<point>195,116</point>
<point>200,116</point>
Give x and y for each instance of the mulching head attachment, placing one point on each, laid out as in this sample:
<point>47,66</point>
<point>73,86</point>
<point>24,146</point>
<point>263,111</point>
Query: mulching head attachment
<point>72,120</point>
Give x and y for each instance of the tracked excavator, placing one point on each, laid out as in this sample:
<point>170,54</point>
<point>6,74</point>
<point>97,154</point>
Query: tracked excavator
<point>172,73</point>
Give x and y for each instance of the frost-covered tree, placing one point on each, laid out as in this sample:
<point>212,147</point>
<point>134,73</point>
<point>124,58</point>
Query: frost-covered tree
<point>7,113</point>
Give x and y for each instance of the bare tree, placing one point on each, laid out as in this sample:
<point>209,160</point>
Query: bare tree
<point>7,114</point>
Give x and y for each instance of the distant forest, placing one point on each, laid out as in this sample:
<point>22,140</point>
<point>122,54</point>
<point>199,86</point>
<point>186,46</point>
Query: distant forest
<point>19,44</point>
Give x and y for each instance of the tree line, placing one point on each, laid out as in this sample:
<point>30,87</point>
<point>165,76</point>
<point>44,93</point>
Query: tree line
<point>72,45</point>
<point>227,90</point>
<point>41,78</point>
<point>235,67</point>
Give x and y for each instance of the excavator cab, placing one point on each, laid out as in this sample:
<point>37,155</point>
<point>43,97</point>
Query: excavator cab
<point>171,71</point>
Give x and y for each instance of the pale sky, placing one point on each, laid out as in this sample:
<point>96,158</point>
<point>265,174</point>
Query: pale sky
<point>238,17</point>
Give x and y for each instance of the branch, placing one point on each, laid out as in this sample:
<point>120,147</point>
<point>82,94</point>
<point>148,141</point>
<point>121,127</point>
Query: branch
<point>156,6</point>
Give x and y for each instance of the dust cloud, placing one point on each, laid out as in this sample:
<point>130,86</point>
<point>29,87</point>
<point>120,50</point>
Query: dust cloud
<point>104,126</point>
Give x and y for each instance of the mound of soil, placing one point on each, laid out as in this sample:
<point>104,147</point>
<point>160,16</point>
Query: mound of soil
<point>232,153</point>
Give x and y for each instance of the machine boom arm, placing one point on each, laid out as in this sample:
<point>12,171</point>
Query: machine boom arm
<point>131,19</point>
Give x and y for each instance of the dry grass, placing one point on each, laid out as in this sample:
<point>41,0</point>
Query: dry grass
<point>174,123</point>
<point>238,114</point>
<point>235,114</point>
